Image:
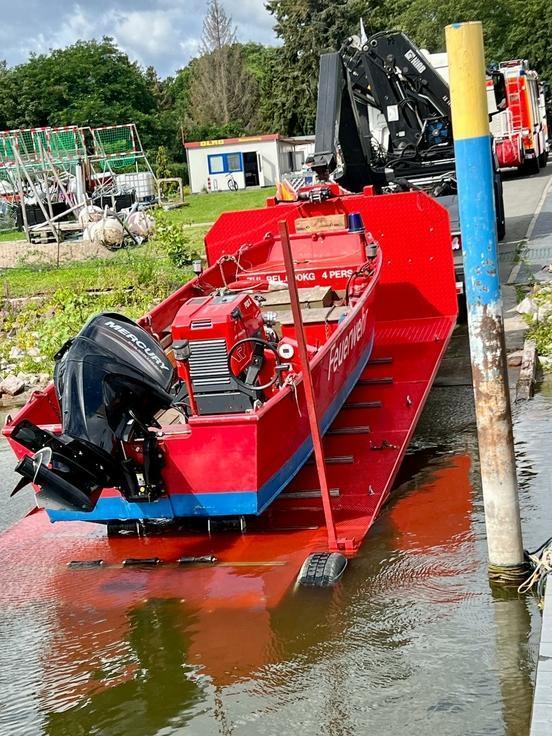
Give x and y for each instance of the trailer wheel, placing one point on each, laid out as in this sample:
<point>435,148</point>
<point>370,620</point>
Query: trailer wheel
<point>322,569</point>
<point>530,166</point>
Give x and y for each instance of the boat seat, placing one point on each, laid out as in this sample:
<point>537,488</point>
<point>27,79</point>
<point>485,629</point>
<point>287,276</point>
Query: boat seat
<point>276,299</point>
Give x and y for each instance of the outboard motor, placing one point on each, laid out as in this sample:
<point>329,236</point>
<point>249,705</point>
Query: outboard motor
<point>111,380</point>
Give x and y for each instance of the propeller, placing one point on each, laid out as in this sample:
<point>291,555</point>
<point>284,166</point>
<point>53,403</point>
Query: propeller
<point>42,457</point>
<point>55,493</point>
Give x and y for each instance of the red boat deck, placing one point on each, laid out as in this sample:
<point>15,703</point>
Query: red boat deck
<point>366,442</point>
<point>416,313</point>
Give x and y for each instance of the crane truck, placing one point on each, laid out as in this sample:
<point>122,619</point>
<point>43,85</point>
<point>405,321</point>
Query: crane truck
<point>384,119</point>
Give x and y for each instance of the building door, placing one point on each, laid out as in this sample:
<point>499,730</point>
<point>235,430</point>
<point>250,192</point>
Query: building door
<point>251,169</point>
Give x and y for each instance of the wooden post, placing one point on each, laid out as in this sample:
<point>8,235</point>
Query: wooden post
<point>309,387</point>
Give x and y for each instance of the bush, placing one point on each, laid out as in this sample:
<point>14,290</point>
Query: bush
<point>180,170</point>
<point>180,245</point>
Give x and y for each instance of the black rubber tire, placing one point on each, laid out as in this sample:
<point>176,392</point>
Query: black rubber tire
<point>322,569</point>
<point>543,159</point>
<point>530,166</point>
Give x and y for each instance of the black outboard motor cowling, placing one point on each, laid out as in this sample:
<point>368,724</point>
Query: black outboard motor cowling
<point>111,381</point>
<point>112,367</point>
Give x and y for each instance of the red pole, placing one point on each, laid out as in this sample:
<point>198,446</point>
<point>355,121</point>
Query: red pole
<point>309,388</point>
<point>188,381</point>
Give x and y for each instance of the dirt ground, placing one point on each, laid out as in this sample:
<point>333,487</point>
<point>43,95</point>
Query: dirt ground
<point>18,252</point>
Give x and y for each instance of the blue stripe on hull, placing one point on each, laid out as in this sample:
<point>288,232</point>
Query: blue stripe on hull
<point>235,503</point>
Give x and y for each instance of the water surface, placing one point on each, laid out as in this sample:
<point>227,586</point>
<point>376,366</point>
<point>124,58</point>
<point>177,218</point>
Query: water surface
<point>413,641</point>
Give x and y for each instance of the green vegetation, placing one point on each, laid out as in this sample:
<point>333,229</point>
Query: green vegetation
<point>540,319</point>
<point>131,282</point>
<point>179,238</point>
<point>129,268</point>
<point>231,88</point>
<point>47,324</point>
<point>205,208</point>
<point>541,333</point>
<point>8,235</point>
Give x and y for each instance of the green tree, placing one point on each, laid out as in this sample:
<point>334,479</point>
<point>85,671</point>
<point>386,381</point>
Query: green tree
<point>263,62</point>
<point>4,76</point>
<point>425,20</point>
<point>162,163</point>
<point>88,83</point>
<point>529,35</point>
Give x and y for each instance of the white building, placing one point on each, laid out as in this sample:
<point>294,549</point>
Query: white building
<point>252,161</point>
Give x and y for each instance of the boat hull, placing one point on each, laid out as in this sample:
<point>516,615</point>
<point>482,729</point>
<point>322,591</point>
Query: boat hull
<point>222,466</point>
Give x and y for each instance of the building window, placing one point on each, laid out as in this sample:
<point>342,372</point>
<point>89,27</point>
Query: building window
<point>216,164</point>
<point>234,161</point>
<point>224,163</point>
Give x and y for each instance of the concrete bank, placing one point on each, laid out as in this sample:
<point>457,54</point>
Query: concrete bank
<point>533,267</point>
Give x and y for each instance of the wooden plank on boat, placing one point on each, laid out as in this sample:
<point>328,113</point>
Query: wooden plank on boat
<point>320,223</point>
<point>365,429</point>
<point>310,316</point>
<point>335,460</point>
<point>362,405</point>
<point>316,296</point>
<point>314,493</point>
<point>379,361</point>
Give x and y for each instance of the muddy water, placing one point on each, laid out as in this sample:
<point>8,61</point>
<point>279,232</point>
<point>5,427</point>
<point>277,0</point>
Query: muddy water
<point>412,641</point>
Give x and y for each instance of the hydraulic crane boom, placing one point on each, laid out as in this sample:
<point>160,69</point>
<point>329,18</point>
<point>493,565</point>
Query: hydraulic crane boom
<point>383,119</point>
<point>387,75</point>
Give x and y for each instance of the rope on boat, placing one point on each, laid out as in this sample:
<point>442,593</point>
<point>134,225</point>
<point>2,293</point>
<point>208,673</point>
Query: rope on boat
<point>540,562</point>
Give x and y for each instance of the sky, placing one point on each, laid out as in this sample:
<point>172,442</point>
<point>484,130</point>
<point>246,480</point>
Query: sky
<point>161,33</point>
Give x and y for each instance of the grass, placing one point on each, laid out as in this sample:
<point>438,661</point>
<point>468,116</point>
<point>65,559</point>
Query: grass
<point>126,269</point>
<point>11,235</point>
<point>127,266</point>
<point>207,207</point>
<point>131,281</point>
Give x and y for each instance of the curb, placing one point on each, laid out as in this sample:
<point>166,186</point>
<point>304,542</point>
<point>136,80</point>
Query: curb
<point>511,280</point>
<point>525,386</point>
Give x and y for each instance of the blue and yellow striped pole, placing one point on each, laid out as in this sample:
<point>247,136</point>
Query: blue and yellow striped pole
<point>474,173</point>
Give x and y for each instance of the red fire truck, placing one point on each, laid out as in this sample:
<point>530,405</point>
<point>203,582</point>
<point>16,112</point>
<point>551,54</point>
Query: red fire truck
<point>521,130</point>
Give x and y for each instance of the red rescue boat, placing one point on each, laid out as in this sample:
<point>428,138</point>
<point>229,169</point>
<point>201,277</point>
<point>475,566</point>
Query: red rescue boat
<point>199,410</point>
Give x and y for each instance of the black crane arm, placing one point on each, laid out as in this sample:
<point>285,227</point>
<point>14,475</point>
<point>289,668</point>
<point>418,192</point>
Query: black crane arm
<point>387,74</point>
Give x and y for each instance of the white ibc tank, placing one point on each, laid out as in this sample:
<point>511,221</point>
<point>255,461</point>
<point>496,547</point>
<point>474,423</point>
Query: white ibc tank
<point>143,183</point>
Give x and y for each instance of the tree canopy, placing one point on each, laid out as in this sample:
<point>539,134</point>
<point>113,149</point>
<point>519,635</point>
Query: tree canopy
<point>232,88</point>
<point>88,83</point>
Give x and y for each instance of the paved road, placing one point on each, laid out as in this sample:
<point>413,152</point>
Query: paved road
<point>521,196</point>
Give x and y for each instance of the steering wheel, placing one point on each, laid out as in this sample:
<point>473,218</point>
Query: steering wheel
<point>255,363</point>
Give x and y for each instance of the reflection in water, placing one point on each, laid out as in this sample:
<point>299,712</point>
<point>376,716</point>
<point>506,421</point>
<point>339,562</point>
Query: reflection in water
<point>142,688</point>
<point>412,640</point>
<point>514,662</point>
